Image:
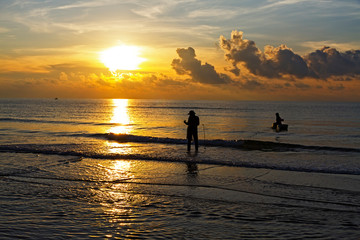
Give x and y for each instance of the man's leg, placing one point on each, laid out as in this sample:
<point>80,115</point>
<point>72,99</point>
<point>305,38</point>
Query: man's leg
<point>196,140</point>
<point>189,144</point>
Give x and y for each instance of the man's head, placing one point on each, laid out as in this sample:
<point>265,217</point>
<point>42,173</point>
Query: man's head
<point>191,113</point>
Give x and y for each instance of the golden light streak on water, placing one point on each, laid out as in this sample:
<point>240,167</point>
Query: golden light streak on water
<point>119,148</point>
<point>120,117</point>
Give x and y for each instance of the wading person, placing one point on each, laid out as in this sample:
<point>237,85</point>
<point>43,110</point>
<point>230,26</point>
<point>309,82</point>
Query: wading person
<point>192,132</point>
<point>278,120</point>
<point>278,125</point>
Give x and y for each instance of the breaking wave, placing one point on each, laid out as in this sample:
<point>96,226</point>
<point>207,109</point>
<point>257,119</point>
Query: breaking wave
<point>177,154</point>
<point>240,144</point>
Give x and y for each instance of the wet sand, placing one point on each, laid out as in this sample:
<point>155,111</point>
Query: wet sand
<point>61,197</point>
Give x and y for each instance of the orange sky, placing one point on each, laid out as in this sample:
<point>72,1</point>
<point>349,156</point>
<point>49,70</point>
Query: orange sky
<point>189,50</point>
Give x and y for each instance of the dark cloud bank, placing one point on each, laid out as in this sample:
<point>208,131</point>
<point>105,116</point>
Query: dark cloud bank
<point>189,65</point>
<point>273,62</point>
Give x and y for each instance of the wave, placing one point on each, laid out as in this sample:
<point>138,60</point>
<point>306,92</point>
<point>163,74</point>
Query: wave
<point>78,151</point>
<point>240,144</point>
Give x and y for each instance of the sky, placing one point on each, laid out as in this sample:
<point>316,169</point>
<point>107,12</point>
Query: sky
<point>283,50</point>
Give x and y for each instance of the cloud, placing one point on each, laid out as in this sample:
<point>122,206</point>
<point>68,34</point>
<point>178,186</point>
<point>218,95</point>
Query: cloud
<point>328,62</point>
<point>3,30</point>
<point>314,45</point>
<point>251,84</point>
<point>213,13</point>
<point>203,73</point>
<point>302,86</point>
<point>272,63</point>
<point>276,62</point>
<point>337,87</point>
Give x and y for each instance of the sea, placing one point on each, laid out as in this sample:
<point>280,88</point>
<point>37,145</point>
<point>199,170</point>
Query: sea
<point>119,169</point>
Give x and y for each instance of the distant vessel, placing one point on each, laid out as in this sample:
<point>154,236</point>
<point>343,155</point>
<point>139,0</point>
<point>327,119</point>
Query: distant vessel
<point>56,98</point>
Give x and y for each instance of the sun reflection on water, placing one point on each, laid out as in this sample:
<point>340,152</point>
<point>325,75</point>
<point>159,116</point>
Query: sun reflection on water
<point>121,165</point>
<point>117,201</point>
<point>122,125</point>
<point>115,196</point>
<point>120,117</point>
<point>119,148</point>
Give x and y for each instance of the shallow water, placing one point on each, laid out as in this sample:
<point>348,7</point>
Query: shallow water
<point>317,140</point>
<point>62,197</point>
<point>63,175</point>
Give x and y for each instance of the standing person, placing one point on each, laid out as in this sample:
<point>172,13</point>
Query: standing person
<point>192,132</point>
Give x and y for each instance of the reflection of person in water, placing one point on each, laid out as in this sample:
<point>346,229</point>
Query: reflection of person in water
<point>192,168</point>
<point>192,132</point>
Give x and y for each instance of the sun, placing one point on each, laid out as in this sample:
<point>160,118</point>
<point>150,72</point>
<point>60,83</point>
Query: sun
<point>121,58</point>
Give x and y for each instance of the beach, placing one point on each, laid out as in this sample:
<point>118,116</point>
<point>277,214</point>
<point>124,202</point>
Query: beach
<point>129,199</point>
<point>105,170</point>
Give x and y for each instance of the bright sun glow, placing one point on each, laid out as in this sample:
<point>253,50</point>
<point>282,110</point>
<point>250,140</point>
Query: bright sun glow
<point>121,58</point>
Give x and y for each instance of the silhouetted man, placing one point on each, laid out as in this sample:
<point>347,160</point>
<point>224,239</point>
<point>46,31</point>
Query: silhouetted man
<point>192,132</point>
<point>278,125</point>
<point>278,120</point>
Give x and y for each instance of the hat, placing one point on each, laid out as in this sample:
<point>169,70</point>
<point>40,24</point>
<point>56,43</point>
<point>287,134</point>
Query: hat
<point>191,112</point>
